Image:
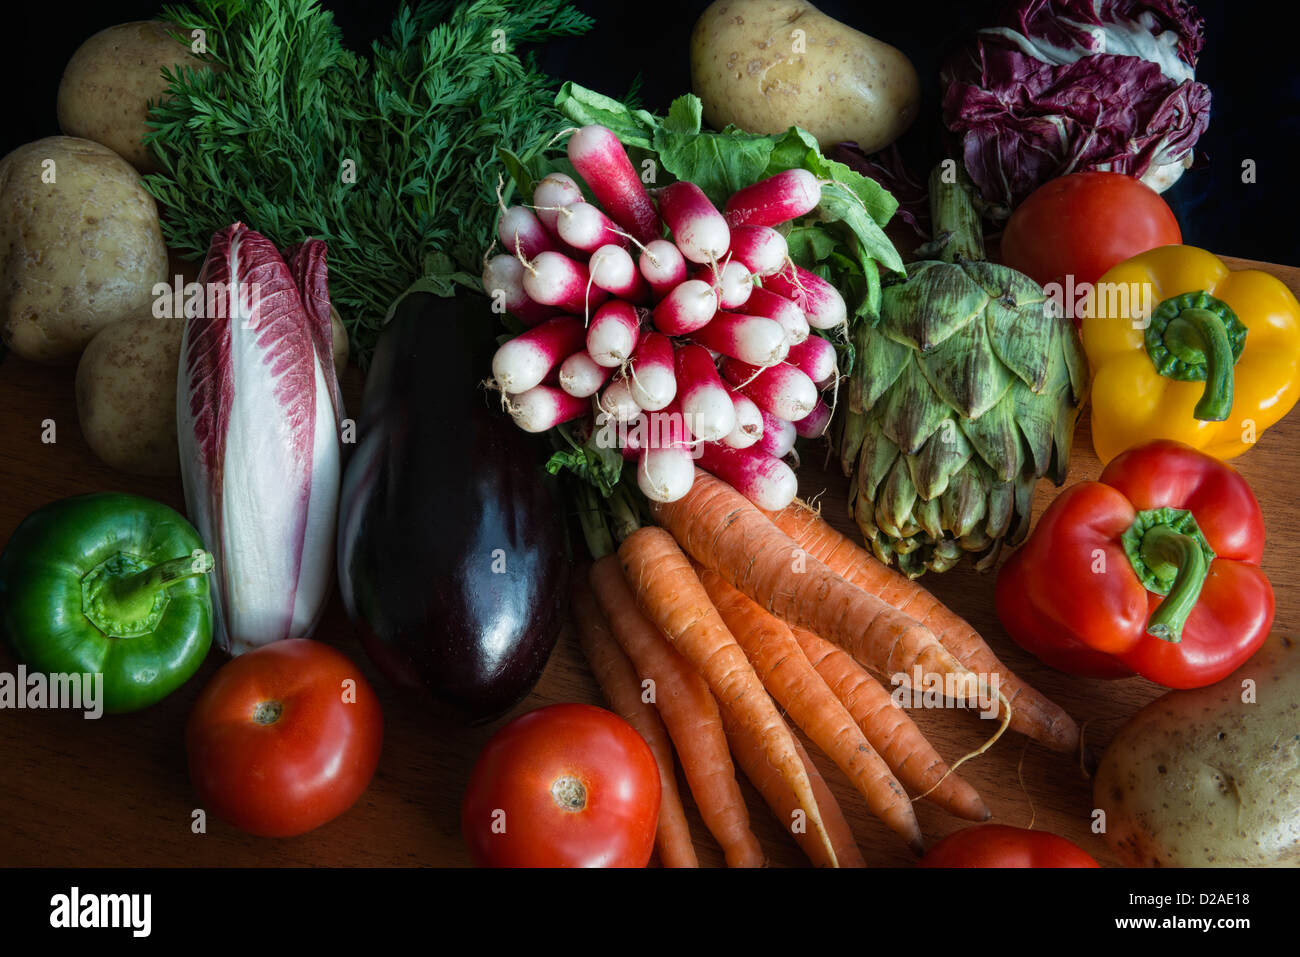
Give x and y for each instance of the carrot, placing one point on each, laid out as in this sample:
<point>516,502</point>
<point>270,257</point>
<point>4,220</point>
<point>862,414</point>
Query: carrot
<point>805,698</point>
<point>688,710</point>
<point>889,729</point>
<point>622,688</point>
<point>1032,714</point>
<point>767,780</point>
<point>673,598</point>
<point>723,530</point>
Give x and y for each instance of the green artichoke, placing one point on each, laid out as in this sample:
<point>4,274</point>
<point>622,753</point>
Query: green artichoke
<point>966,391</point>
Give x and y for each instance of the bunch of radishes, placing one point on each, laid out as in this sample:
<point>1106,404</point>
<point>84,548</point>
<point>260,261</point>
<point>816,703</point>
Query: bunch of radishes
<point>695,349</point>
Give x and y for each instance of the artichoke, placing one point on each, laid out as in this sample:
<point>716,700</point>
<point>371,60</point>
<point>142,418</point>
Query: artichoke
<point>966,391</point>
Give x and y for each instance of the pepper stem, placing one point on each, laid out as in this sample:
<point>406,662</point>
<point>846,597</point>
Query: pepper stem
<point>1198,336</point>
<point>126,603</point>
<point>1171,554</point>
<point>956,223</point>
<point>1194,337</point>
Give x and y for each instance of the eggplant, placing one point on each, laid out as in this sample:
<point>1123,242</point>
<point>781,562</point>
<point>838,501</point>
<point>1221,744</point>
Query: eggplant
<point>452,546</point>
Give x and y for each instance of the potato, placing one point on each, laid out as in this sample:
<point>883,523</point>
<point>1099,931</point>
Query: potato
<point>126,386</point>
<point>767,65</point>
<point>107,86</point>
<point>339,340</point>
<point>1202,779</point>
<point>126,395</point>
<point>80,246</point>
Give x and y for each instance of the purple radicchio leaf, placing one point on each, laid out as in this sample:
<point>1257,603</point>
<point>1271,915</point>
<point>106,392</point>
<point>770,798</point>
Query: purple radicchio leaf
<point>1064,86</point>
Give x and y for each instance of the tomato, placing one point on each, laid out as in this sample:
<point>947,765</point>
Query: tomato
<point>568,785</point>
<point>284,738</point>
<point>1082,224</point>
<point>997,845</point>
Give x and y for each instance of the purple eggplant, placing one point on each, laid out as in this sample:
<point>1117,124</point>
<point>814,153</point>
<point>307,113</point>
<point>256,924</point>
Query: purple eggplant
<point>452,547</point>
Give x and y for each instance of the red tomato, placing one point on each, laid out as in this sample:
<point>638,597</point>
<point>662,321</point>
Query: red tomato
<point>569,785</point>
<point>997,845</point>
<point>1082,224</point>
<point>284,738</point>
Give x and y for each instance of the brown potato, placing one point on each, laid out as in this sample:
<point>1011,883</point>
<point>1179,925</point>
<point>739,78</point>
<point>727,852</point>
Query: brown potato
<point>768,65</point>
<point>1211,777</point>
<point>80,246</point>
<point>109,82</point>
<point>126,395</point>
<point>126,385</point>
<point>339,341</point>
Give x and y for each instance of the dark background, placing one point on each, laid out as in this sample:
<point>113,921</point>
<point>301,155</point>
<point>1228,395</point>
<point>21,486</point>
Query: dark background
<point>1249,61</point>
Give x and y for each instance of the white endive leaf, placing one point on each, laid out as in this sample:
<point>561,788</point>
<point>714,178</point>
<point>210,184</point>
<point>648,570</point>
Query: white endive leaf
<point>257,415</point>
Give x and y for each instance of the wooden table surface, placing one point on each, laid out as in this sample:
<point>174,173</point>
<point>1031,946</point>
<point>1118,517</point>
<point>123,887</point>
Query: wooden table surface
<point>76,792</point>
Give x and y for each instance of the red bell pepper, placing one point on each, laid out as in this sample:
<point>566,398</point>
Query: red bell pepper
<point>1153,569</point>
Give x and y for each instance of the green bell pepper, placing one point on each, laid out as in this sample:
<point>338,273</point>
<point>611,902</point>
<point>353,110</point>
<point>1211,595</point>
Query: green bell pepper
<point>108,583</point>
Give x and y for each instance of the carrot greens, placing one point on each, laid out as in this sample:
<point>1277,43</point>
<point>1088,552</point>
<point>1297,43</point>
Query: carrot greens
<point>391,158</point>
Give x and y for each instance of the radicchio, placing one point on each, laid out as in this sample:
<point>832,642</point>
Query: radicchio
<point>257,410</point>
<point>1062,86</point>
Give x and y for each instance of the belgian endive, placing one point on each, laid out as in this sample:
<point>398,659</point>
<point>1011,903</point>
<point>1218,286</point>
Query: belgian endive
<point>257,414</point>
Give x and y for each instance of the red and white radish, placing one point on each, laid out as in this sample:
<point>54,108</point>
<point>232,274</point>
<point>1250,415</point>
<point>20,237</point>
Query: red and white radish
<point>503,281</point>
<point>778,436</point>
<point>616,401</point>
<point>821,302</point>
<point>815,357</point>
<point>765,303</point>
<point>751,339</point>
<point>688,307</point>
<point>766,481</point>
<point>543,407</point>
<point>665,475</point>
<point>554,192</point>
<point>613,334</point>
<point>528,358</point>
<point>612,269</point>
<point>554,279</point>
<point>705,399</point>
<point>663,266</point>
<point>749,422</point>
<point>665,470</point>
<point>585,227</point>
<point>761,249</point>
<point>601,161</point>
<point>813,425</point>
<point>650,373</point>
<point>580,375</point>
<point>775,200</point>
<point>522,233</point>
<point>698,228</point>
<point>665,428</point>
<point>733,282</point>
<point>780,389</point>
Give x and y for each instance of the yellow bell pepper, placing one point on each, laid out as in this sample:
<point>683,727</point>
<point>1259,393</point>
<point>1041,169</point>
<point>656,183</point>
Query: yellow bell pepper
<point>1181,347</point>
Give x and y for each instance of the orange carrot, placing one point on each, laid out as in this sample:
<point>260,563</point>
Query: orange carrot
<point>673,598</point>
<point>1032,714</point>
<point>767,780</point>
<point>723,530</point>
<point>618,680</point>
<point>804,696</point>
<point>889,729</point>
<point>690,712</point>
